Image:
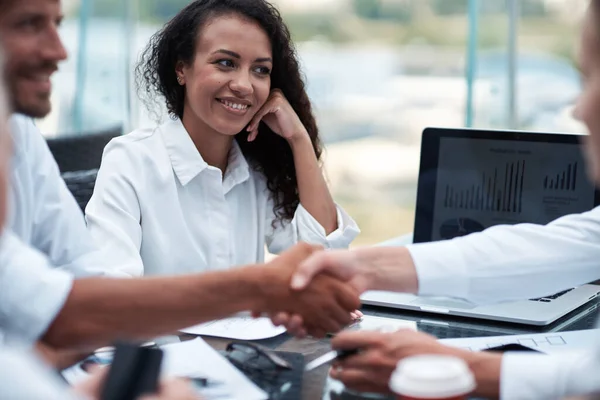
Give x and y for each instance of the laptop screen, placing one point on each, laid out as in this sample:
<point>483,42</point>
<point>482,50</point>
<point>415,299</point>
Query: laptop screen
<point>470,180</point>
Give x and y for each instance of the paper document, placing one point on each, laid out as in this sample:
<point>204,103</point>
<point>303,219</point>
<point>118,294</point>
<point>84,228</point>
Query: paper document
<point>240,327</point>
<point>75,374</point>
<point>544,342</point>
<point>196,358</point>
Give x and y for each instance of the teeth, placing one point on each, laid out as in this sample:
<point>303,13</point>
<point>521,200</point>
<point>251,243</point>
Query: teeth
<point>235,105</point>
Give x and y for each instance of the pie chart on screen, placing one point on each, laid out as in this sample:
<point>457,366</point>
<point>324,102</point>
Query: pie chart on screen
<point>459,227</point>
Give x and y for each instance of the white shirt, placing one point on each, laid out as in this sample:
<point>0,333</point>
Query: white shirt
<point>44,217</point>
<point>24,376</point>
<point>42,211</point>
<point>31,292</point>
<point>159,208</point>
<point>515,263</point>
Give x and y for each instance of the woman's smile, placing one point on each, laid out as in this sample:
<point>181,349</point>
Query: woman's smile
<point>235,107</point>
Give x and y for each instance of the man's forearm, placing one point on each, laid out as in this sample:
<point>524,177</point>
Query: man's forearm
<point>388,268</point>
<point>60,359</point>
<point>100,310</point>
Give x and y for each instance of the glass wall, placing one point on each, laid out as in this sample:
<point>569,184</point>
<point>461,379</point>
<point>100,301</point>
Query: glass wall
<point>378,72</point>
<point>546,81</point>
<point>92,88</point>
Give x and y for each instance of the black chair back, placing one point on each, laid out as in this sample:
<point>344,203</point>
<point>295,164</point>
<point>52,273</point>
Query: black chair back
<point>78,158</point>
<point>81,152</point>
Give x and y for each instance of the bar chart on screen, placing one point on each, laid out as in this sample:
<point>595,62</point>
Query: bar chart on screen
<point>499,189</point>
<point>485,182</point>
<point>565,180</point>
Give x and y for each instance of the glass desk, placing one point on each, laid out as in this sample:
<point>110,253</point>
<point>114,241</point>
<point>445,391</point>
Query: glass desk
<point>317,385</point>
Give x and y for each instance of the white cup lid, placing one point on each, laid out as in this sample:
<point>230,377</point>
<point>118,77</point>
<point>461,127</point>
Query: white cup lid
<point>432,377</point>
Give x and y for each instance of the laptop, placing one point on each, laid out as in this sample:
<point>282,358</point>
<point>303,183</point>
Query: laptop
<point>470,180</point>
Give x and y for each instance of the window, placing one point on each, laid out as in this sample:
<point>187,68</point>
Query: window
<point>378,72</point>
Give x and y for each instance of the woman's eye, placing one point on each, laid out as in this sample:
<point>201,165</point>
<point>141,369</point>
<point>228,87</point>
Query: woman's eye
<point>226,63</point>
<point>263,70</point>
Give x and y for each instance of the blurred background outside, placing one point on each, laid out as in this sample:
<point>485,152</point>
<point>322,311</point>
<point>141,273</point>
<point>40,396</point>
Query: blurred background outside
<point>378,72</point>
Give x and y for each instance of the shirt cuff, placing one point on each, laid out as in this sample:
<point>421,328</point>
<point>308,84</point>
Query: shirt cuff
<point>32,293</point>
<point>441,269</point>
<point>535,376</point>
<point>311,231</point>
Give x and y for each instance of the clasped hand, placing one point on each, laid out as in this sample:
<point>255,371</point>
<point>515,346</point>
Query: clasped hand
<point>325,304</point>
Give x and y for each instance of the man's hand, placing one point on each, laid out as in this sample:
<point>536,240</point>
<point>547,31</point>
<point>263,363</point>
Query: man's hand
<point>174,389</point>
<point>346,265</point>
<point>343,264</point>
<point>367,268</point>
<point>295,325</point>
<point>324,305</point>
<point>371,368</point>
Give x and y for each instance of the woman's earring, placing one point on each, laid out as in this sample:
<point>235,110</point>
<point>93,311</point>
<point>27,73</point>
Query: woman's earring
<point>180,80</point>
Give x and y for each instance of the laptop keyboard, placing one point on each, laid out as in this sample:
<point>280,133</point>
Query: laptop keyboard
<point>548,299</point>
<point>449,331</point>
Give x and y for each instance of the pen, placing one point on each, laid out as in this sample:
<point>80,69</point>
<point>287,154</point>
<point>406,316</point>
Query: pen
<point>330,356</point>
<point>205,382</point>
<point>111,349</point>
<point>354,324</point>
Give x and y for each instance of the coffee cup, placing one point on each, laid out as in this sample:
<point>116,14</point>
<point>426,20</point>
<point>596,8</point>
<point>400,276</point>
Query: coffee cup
<point>432,377</point>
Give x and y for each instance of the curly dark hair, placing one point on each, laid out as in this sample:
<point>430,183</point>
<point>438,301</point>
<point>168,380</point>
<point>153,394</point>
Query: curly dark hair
<point>269,154</point>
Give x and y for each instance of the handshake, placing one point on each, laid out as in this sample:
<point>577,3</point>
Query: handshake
<point>321,304</point>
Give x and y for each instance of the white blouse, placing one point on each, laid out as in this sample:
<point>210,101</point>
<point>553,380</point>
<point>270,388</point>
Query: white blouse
<point>159,208</point>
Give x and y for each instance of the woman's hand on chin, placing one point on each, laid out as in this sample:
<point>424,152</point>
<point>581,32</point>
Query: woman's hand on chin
<point>279,116</point>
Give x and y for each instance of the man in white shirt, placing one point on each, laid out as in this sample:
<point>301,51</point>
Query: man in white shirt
<point>43,213</point>
<point>37,301</point>
<point>24,375</point>
<point>499,264</point>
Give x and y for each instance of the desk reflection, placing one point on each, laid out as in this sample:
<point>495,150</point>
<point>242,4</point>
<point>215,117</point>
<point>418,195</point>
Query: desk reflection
<point>335,390</point>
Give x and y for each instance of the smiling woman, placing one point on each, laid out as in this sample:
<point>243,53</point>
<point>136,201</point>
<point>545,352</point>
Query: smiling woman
<point>225,88</point>
<point>236,168</point>
<point>269,63</point>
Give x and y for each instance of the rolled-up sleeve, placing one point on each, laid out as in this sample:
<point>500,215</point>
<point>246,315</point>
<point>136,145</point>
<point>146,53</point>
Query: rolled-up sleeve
<point>32,293</point>
<point>304,227</point>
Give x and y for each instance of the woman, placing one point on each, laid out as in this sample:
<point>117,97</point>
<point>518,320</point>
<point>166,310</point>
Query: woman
<point>237,167</point>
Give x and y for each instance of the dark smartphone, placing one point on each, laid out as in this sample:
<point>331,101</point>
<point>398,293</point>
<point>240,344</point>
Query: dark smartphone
<point>134,372</point>
<point>512,347</point>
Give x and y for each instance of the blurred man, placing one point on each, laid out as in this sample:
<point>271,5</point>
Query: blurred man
<point>37,301</point>
<point>27,377</point>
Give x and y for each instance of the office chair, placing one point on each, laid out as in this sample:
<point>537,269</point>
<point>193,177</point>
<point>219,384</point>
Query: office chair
<point>78,158</point>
